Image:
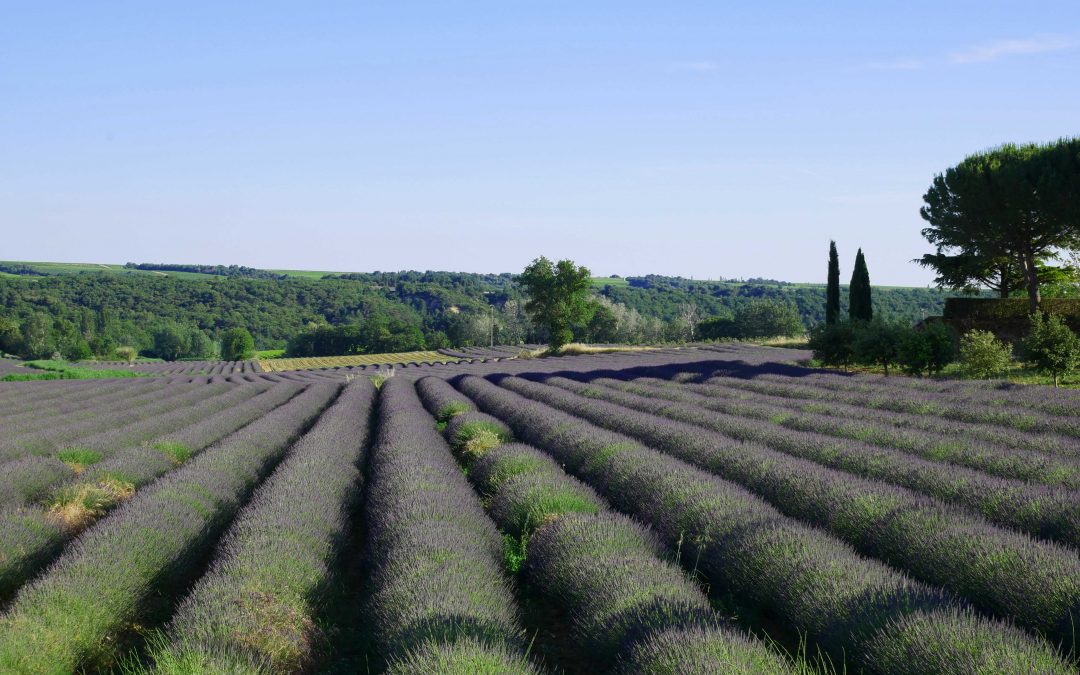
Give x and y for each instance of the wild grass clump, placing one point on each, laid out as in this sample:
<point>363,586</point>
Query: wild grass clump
<point>474,433</point>
<point>175,451</point>
<point>382,376</point>
<point>263,592</point>
<point>79,458</point>
<point>78,506</point>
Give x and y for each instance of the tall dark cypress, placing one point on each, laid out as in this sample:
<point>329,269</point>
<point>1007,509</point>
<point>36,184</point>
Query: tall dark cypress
<point>859,308</point>
<point>832,291</point>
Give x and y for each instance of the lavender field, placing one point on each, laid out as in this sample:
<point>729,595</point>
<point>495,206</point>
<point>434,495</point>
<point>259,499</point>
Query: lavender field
<point>696,510</point>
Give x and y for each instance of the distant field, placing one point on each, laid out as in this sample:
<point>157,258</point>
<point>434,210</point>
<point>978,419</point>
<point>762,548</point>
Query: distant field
<point>305,274</point>
<point>600,282</point>
<point>53,268</point>
<point>278,365</point>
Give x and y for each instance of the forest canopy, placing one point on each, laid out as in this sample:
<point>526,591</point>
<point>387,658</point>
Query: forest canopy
<point>92,313</point>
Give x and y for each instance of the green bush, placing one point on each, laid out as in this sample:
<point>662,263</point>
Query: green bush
<point>983,355</point>
<point>237,345</point>
<point>925,351</point>
<point>878,343</point>
<point>833,344</point>
<point>1051,346</point>
<point>767,318</point>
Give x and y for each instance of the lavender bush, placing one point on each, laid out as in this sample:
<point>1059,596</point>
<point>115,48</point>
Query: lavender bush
<point>435,569</point>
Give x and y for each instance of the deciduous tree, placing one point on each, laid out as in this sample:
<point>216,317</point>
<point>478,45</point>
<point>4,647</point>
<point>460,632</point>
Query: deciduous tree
<point>558,297</point>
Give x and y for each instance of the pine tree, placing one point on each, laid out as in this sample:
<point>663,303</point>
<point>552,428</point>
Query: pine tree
<point>832,291</point>
<point>859,307</point>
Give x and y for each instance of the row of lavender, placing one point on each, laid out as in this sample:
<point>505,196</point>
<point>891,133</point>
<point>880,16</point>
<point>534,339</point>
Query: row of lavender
<point>1036,583</point>
<point>45,506</point>
<point>117,574</point>
<point>629,605</point>
<point>853,607</point>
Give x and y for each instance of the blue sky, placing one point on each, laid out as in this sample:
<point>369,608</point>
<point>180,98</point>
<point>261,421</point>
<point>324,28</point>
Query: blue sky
<point>702,139</point>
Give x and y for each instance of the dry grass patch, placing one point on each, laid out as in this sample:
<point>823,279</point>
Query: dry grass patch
<point>578,349</point>
<point>77,507</point>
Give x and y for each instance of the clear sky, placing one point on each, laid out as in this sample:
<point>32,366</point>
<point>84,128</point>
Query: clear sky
<point>706,139</point>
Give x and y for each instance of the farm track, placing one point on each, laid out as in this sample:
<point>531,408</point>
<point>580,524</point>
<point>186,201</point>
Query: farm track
<point>662,511</point>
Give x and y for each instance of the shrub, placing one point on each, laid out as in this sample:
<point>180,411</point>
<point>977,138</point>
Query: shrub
<point>1052,346</point>
<point>237,345</point>
<point>925,351</point>
<point>834,344</point>
<point>983,355</point>
<point>877,343</point>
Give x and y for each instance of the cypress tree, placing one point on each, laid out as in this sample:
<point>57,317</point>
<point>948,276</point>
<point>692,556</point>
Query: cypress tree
<point>859,307</point>
<point>832,291</point>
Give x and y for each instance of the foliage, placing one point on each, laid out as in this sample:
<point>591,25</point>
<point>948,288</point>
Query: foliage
<point>832,287</point>
<point>127,353</point>
<point>834,344</point>
<point>1005,310</point>
<point>860,306</point>
<point>557,297</point>
<point>878,343</point>
<point>237,345</point>
<point>377,335</point>
<point>754,318</point>
<point>1004,210</point>
<point>767,318</point>
<point>1052,346</point>
<point>983,355</point>
<point>925,351</point>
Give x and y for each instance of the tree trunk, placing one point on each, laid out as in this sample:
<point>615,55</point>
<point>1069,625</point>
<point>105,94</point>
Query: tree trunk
<point>1004,289</point>
<point>1031,275</point>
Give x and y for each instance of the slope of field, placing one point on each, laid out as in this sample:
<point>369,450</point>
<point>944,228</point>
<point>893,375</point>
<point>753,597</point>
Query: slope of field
<point>693,510</point>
